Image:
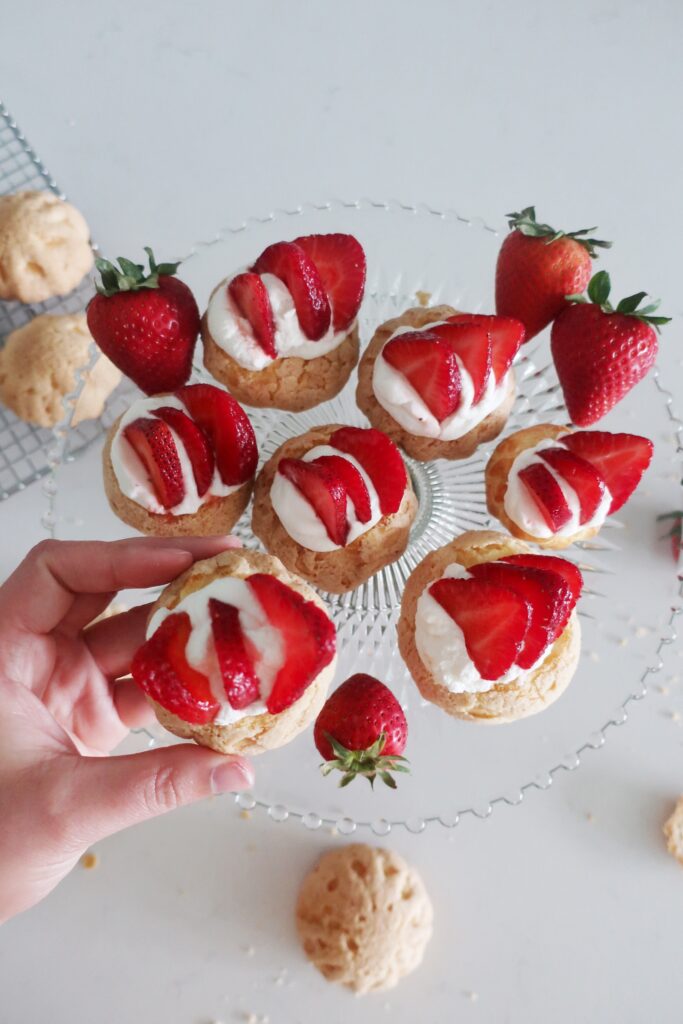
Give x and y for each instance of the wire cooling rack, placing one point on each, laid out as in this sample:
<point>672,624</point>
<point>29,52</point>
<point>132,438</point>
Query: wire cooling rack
<point>24,449</point>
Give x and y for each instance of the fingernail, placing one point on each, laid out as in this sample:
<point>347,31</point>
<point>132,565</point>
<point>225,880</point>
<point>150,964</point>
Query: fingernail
<point>231,777</point>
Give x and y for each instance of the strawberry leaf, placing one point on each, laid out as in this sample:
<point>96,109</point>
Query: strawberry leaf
<point>525,222</point>
<point>129,276</point>
<point>599,288</point>
<point>631,303</point>
<point>368,763</point>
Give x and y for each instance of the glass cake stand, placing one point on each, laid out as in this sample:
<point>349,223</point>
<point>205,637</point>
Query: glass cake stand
<point>631,596</point>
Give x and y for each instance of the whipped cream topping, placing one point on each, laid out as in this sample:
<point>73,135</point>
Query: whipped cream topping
<point>200,651</point>
<point>400,399</point>
<point>234,334</point>
<point>521,508</point>
<point>131,474</point>
<point>441,645</point>
<point>300,519</point>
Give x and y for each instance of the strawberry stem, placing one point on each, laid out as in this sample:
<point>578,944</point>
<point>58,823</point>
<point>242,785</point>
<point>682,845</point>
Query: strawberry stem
<point>129,276</point>
<point>525,221</point>
<point>368,763</point>
<point>598,290</point>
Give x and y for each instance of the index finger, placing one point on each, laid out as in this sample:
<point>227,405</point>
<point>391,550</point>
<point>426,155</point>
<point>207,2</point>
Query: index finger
<point>45,586</point>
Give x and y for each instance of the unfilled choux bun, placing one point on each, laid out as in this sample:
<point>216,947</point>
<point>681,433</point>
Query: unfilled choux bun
<point>253,734</point>
<point>214,518</point>
<point>44,246</point>
<point>38,367</point>
<point>364,917</point>
<point>498,471</point>
<point>424,449</point>
<point>500,704</point>
<point>673,831</point>
<point>289,383</point>
<point>336,571</point>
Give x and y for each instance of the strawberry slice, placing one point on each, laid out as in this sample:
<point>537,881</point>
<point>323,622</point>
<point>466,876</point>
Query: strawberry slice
<point>228,428</point>
<point>507,335</point>
<point>381,460</point>
<point>324,491</point>
<point>250,295</point>
<point>195,442</point>
<point>353,482</point>
<point>472,344</point>
<point>583,477</point>
<point>161,670</point>
<point>494,621</point>
<point>621,459</point>
<point>547,493</point>
<point>569,572</point>
<point>234,654</point>
<point>428,363</point>
<point>340,261</point>
<point>547,594</point>
<point>153,443</point>
<point>308,638</point>
<point>297,271</point>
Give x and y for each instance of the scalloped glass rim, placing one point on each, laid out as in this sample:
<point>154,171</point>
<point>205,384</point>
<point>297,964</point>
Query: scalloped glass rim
<point>538,392</point>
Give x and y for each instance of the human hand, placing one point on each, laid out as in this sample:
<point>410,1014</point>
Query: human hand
<point>63,705</point>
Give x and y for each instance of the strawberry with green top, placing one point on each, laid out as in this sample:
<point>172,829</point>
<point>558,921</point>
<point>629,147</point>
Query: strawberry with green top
<point>538,266</point>
<point>362,730</point>
<point>601,351</point>
<point>146,323</point>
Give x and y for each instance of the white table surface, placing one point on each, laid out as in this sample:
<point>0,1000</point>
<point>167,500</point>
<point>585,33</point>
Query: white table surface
<point>163,119</point>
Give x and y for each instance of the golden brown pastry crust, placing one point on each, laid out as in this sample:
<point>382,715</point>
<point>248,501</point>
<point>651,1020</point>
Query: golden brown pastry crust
<point>364,917</point>
<point>424,449</point>
<point>253,734</point>
<point>291,383</point>
<point>335,571</point>
<point>498,470</point>
<point>213,519</point>
<point>505,703</point>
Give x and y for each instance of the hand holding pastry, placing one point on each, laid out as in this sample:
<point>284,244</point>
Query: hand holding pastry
<point>66,703</point>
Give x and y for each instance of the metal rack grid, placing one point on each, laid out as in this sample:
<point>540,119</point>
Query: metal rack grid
<point>24,448</point>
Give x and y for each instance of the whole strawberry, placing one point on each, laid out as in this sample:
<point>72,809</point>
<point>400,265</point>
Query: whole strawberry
<point>362,730</point>
<point>146,323</point>
<point>600,353</point>
<point>537,266</point>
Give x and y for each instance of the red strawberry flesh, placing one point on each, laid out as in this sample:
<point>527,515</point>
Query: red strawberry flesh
<point>235,658</point>
<point>250,295</point>
<point>599,358</point>
<point>621,459</point>
<point>340,261</point>
<point>585,480</point>
<point>429,365</point>
<point>547,595</point>
<point>357,714</point>
<point>547,494</point>
<point>227,425</point>
<point>153,443</point>
<point>381,460</point>
<point>308,638</point>
<point>149,334</point>
<point>298,273</point>
<point>493,620</point>
<point>195,442</point>
<point>160,668</point>
<point>569,572</point>
<point>353,482</point>
<point>324,490</point>
<point>506,333</point>
<point>472,344</point>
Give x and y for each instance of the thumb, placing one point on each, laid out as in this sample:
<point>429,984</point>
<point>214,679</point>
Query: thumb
<point>116,792</point>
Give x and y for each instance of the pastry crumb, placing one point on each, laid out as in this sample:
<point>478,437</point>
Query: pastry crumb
<point>423,297</point>
<point>590,817</point>
<point>642,631</point>
<point>623,642</point>
<point>89,861</point>
<point>673,831</point>
<point>664,690</point>
<point>472,996</point>
<point>594,656</point>
<point>245,815</point>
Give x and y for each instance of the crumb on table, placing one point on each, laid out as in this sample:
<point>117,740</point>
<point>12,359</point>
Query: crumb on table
<point>89,861</point>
